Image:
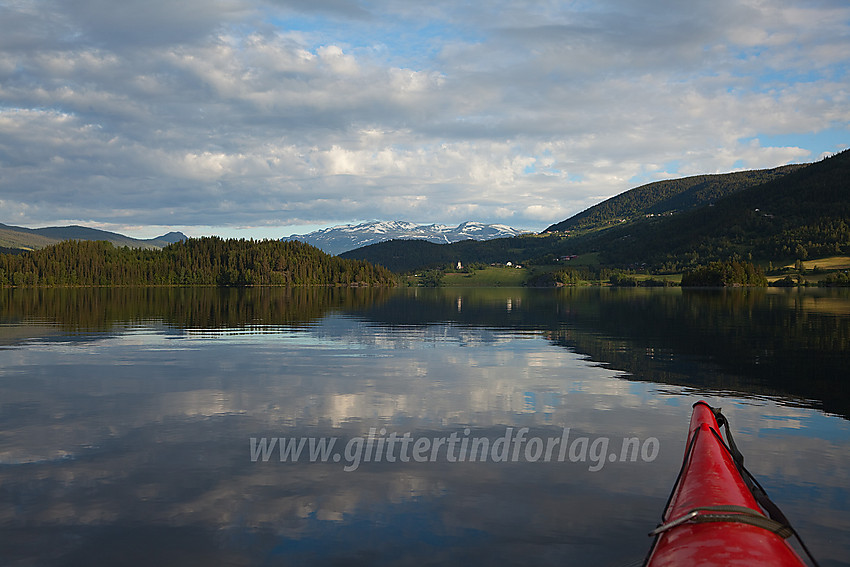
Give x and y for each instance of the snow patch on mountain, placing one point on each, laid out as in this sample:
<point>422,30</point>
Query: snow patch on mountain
<point>342,238</point>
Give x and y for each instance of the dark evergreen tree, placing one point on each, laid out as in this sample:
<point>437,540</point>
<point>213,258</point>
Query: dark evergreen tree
<point>201,261</point>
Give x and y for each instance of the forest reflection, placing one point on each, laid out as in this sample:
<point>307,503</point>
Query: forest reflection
<point>757,342</point>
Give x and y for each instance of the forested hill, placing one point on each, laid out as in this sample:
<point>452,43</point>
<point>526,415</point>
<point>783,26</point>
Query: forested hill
<point>668,196</point>
<point>408,255</point>
<point>201,261</point>
<point>803,213</point>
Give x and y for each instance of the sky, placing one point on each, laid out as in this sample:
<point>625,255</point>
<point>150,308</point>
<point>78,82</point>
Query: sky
<point>263,118</point>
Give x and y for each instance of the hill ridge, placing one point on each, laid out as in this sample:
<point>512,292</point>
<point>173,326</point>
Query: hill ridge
<point>801,213</point>
<point>19,238</point>
<point>670,195</point>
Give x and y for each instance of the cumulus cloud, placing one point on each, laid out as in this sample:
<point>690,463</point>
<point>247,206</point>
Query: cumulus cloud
<point>251,113</point>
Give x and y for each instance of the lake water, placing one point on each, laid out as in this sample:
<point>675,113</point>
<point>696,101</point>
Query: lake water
<point>144,426</point>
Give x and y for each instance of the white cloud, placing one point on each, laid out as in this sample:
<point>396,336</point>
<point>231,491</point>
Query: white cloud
<point>240,113</point>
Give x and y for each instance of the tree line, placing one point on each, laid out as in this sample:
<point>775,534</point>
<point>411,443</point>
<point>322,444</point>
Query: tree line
<point>725,274</point>
<point>196,261</point>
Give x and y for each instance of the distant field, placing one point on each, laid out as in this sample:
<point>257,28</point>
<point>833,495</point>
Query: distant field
<point>830,263</point>
<point>666,277</point>
<point>492,276</point>
<point>499,276</point>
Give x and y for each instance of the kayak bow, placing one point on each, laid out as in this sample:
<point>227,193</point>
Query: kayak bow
<point>716,512</point>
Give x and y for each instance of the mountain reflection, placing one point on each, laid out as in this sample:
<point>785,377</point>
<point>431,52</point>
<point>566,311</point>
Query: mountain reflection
<point>126,414</point>
<point>793,345</point>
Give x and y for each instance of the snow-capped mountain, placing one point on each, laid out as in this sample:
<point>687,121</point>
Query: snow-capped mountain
<point>342,238</point>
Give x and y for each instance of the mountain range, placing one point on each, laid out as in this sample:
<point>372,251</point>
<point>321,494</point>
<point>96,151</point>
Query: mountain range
<point>333,240</point>
<point>18,238</point>
<point>342,238</point>
<point>780,215</point>
<point>794,212</point>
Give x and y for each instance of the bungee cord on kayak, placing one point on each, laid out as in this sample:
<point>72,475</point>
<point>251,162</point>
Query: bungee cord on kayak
<point>715,513</point>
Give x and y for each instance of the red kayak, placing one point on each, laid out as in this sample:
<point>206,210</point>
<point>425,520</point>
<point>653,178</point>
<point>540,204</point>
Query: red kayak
<point>717,513</point>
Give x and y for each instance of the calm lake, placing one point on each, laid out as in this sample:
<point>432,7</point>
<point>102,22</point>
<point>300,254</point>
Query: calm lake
<point>162,426</point>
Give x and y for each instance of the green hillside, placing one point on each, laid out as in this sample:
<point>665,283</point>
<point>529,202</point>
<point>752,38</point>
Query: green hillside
<point>798,213</point>
<point>803,214</point>
<point>407,255</point>
<point>669,196</point>
<point>17,238</point>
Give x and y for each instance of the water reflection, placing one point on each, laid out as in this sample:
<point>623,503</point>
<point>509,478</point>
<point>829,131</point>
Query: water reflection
<point>105,309</point>
<point>789,345</point>
<point>125,418</point>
